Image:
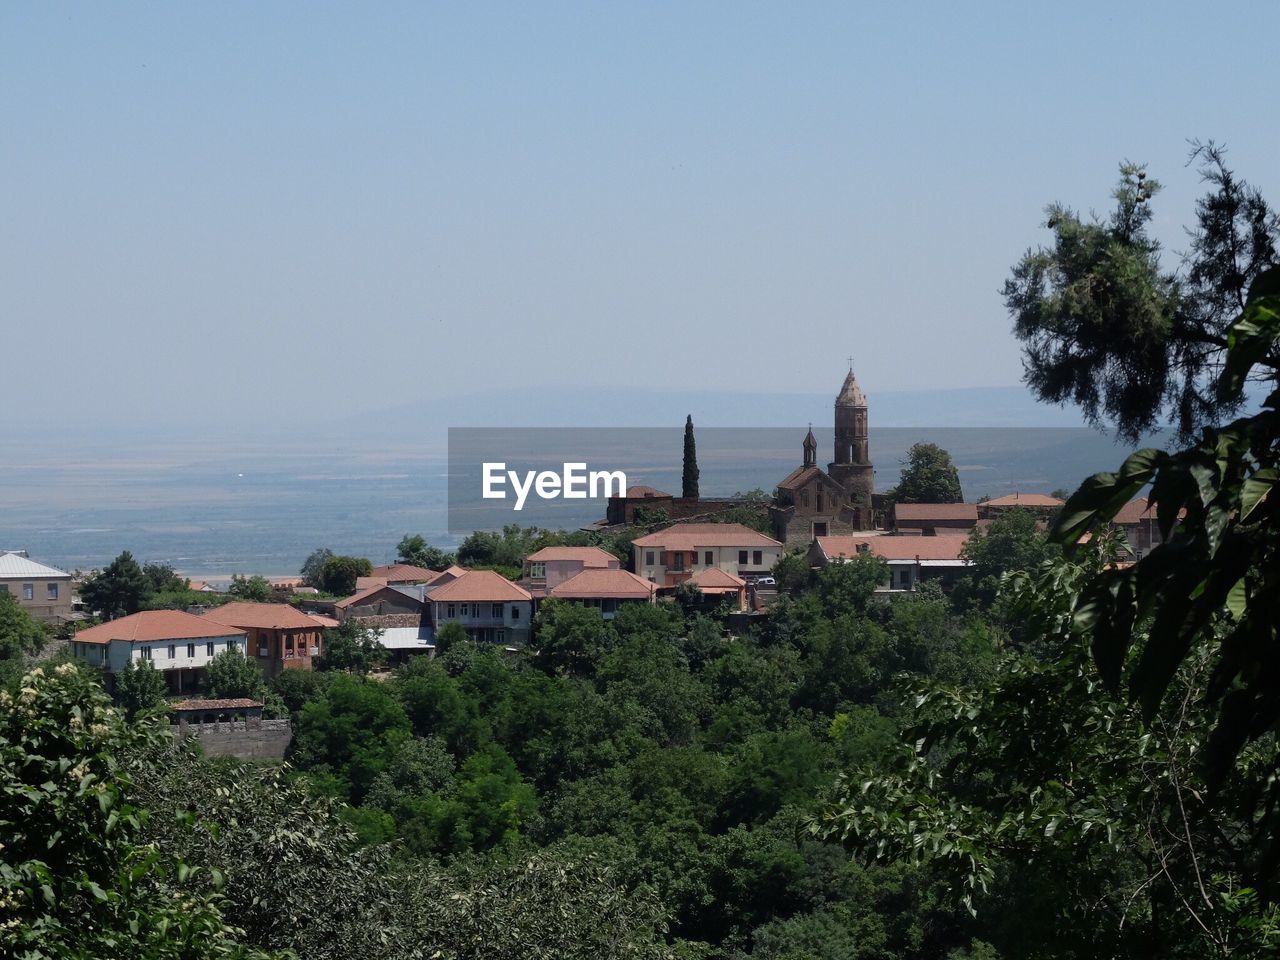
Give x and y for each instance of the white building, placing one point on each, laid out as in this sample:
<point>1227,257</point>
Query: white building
<point>671,556</point>
<point>179,645</point>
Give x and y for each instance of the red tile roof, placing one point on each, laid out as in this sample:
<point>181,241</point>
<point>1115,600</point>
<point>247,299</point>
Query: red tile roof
<point>263,616</point>
<point>695,536</point>
<point>152,625</point>
<point>640,492</point>
<point>600,584</point>
<point>894,548</point>
<point>909,512</point>
<point>480,586</point>
<point>587,556</point>
<point>800,476</point>
<point>452,573</point>
<point>405,573</point>
<point>715,580</point>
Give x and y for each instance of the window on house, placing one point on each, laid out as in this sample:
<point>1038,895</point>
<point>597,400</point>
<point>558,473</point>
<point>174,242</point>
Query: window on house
<point>145,653</point>
<point>173,650</point>
<point>4,587</point>
<point>51,591</point>
<point>819,501</point>
<point>475,611</point>
<point>28,591</point>
<point>757,557</point>
<point>448,611</point>
<point>820,529</point>
<point>708,558</point>
<point>501,636</point>
<point>537,570</point>
<point>515,612</point>
<point>191,650</point>
<point>208,649</point>
<point>677,561</point>
<point>742,558</point>
<point>648,558</point>
<point>497,610</point>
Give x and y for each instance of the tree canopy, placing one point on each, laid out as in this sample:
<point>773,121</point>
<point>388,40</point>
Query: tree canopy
<point>928,476</point>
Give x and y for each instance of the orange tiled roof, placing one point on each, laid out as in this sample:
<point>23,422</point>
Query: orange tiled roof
<point>894,548</point>
<point>152,625</point>
<point>587,556</point>
<point>935,511</point>
<point>713,578</point>
<point>694,536</point>
<point>455,571</point>
<point>263,616</point>
<point>405,573</point>
<point>599,584</point>
<point>480,586</point>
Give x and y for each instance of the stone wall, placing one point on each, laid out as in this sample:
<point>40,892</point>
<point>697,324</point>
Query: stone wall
<point>242,739</point>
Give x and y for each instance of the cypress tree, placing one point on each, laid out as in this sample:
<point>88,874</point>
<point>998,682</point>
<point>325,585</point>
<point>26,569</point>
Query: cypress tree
<point>689,481</point>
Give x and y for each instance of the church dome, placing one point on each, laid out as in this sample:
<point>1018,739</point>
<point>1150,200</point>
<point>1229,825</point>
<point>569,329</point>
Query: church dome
<point>851,394</point>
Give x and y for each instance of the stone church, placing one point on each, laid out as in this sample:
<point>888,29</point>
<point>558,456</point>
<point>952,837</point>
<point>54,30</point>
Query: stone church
<point>812,502</point>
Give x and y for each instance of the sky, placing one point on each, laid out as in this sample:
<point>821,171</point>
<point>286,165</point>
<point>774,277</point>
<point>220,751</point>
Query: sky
<point>296,212</point>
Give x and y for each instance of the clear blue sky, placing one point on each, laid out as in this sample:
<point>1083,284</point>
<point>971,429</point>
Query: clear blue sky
<point>285,210</point>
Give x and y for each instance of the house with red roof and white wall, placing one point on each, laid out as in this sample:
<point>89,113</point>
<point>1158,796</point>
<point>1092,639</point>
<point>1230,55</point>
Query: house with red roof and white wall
<point>179,645</point>
<point>549,567</point>
<point>671,556</point>
<point>486,604</point>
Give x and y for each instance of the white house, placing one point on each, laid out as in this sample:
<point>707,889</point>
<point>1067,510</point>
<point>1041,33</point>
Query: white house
<point>671,556</point>
<point>179,645</point>
<point>487,605</point>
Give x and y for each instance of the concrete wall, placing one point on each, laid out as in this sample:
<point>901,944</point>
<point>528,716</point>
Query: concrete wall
<point>52,610</point>
<point>243,739</point>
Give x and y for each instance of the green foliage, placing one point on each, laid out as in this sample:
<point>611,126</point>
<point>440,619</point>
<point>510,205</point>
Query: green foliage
<point>571,638</point>
<point>352,732</point>
<point>1013,543</point>
<point>139,688</point>
<point>689,474</point>
<point>120,588</point>
<point>232,676</point>
<point>78,878</point>
<point>1105,327</point>
<point>164,579</point>
<point>414,550</point>
<point>928,476</point>
<point>339,574</point>
<point>20,636</point>
<point>312,571</point>
<point>849,586</point>
<point>255,588</point>
<point>486,549</point>
<point>351,646</point>
<point>793,572</point>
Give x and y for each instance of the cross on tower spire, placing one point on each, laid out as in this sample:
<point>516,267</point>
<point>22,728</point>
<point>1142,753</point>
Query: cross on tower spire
<point>851,364</point>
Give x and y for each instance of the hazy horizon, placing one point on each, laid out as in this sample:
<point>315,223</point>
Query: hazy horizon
<point>309,213</point>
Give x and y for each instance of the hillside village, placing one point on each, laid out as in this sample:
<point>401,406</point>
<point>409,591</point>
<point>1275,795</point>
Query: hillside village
<point>670,545</point>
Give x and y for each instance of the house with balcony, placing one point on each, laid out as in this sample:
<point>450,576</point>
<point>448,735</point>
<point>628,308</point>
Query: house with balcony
<point>551,566</point>
<point>911,560</point>
<point>671,556</point>
<point>605,589</point>
<point>281,637</point>
<point>43,592</point>
<point>179,645</point>
<point>486,604</point>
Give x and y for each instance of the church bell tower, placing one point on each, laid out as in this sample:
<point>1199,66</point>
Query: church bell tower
<point>852,467</point>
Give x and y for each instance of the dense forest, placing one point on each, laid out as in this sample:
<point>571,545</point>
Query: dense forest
<point>1069,755</point>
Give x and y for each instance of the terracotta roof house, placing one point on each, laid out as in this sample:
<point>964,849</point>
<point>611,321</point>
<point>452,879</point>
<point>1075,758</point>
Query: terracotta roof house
<point>281,637</point>
<point>551,566</point>
<point>43,592</point>
<point>388,605</point>
<point>605,589</point>
<point>932,519</point>
<point>447,575</point>
<point>717,584</point>
<point>394,573</point>
<point>486,604</point>
<point>1040,504</point>
<point>910,559</point>
<point>671,556</point>
<point>179,645</point>
<point>1141,525</point>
